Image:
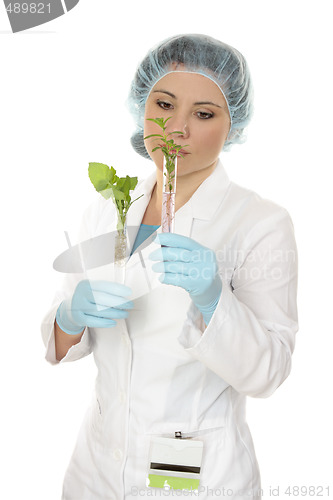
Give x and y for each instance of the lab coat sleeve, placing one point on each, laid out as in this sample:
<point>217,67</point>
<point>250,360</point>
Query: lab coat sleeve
<point>250,338</point>
<point>69,282</point>
<point>77,351</point>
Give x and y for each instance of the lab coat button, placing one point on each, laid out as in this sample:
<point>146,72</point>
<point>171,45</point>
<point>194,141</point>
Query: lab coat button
<point>117,454</point>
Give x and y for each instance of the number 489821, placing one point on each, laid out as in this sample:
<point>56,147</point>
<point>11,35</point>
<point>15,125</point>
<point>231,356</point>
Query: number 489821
<point>31,8</point>
<point>308,491</point>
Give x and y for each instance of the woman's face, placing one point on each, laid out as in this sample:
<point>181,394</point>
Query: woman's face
<point>198,110</point>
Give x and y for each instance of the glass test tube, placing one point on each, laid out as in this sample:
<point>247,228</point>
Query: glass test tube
<point>120,252</point>
<point>169,195</point>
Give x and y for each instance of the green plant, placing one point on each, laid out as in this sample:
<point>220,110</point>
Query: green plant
<point>169,148</point>
<point>109,185</point>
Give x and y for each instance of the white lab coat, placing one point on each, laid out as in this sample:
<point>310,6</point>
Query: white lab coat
<point>162,371</point>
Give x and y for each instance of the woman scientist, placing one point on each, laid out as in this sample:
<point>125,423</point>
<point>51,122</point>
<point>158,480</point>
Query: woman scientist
<point>176,365</point>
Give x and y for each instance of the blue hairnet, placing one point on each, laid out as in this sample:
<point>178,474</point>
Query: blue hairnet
<point>200,54</point>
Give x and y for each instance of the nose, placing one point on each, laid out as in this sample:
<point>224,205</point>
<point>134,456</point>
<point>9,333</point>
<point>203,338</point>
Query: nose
<point>178,123</point>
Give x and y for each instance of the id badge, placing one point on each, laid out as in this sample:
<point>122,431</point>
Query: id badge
<point>174,463</point>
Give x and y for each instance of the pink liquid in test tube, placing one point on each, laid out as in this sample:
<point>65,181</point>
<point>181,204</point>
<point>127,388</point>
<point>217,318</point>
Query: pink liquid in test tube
<point>169,196</point>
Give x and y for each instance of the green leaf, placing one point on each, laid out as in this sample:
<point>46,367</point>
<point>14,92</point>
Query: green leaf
<point>159,121</point>
<point>109,185</point>
<point>119,195</point>
<point>152,135</point>
<point>120,182</point>
<point>126,186</point>
<point>106,193</point>
<point>100,175</point>
<point>134,181</point>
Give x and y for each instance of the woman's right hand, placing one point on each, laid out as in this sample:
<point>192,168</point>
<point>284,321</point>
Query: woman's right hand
<point>94,304</point>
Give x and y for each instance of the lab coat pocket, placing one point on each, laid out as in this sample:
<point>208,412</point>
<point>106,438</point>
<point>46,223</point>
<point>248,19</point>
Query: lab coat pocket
<point>226,459</point>
<point>213,442</point>
<point>226,462</point>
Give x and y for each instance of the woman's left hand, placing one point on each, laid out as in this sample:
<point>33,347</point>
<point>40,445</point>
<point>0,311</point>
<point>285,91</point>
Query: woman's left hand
<point>191,266</point>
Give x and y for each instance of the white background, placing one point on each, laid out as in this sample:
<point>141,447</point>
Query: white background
<point>63,88</point>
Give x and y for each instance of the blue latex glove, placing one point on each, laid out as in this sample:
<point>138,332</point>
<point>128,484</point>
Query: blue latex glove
<point>94,303</point>
<point>188,264</point>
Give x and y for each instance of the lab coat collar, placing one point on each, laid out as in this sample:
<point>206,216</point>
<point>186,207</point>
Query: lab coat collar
<point>204,202</point>
<point>209,195</point>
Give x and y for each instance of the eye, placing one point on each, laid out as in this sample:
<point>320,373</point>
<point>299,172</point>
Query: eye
<point>204,115</point>
<point>164,105</point>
